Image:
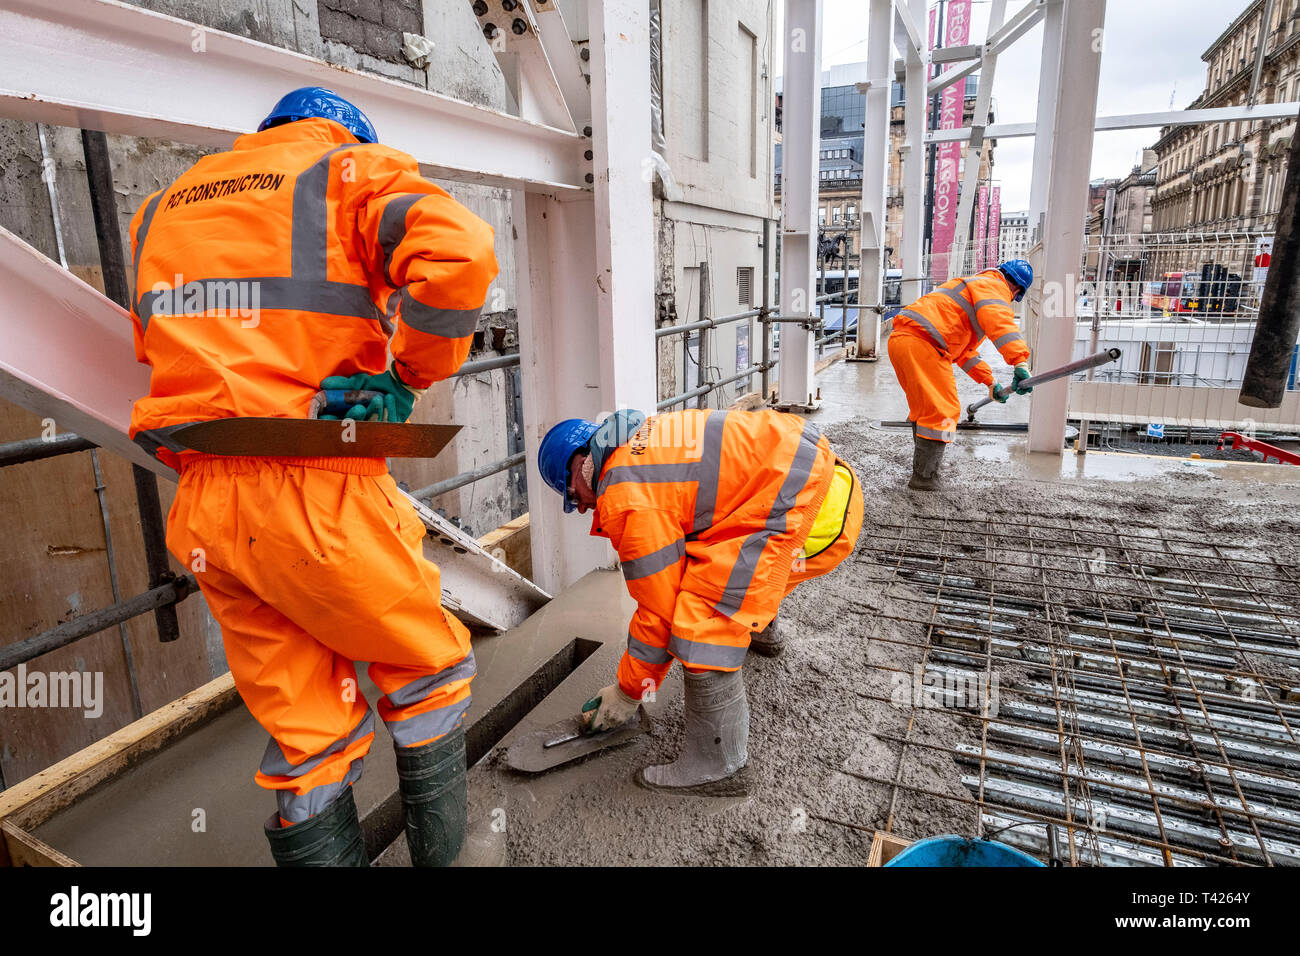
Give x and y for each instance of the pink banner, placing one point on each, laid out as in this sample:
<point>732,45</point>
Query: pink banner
<point>995,226</point>
<point>982,230</point>
<point>947,167</point>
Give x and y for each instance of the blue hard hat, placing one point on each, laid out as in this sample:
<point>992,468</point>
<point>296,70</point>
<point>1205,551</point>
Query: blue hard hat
<point>558,448</point>
<point>316,102</point>
<point>1019,272</point>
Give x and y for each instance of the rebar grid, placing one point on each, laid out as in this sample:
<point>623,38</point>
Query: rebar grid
<point>1141,689</point>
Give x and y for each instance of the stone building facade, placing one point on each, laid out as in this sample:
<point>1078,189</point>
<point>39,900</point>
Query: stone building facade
<point>1228,177</point>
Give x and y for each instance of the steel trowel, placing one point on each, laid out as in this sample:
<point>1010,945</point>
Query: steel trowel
<point>562,742</point>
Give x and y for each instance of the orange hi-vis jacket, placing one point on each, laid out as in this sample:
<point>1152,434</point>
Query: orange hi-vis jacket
<point>708,511</point>
<point>960,314</point>
<point>292,257</point>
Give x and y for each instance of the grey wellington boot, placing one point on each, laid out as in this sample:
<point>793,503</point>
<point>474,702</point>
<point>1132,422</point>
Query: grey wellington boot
<point>431,779</point>
<point>330,838</point>
<point>715,745</point>
<point>927,456</point>
<point>769,641</point>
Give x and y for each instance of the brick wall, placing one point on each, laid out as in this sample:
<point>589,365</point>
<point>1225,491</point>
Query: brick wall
<point>371,26</point>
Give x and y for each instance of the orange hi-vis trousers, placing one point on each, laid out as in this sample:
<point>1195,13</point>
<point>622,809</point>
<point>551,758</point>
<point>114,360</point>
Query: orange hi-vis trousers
<point>929,383</point>
<point>310,565</point>
<point>730,638</point>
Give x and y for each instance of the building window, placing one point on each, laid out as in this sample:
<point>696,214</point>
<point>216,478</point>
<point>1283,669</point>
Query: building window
<point>851,212</point>
<point>745,285</point>
<point>835,214</point>
<point>821,215</point>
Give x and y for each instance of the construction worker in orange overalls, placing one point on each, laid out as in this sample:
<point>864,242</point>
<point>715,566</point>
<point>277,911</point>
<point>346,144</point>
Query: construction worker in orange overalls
<point>715,516</point>
<point>291,264</point>
<point>944,328</point>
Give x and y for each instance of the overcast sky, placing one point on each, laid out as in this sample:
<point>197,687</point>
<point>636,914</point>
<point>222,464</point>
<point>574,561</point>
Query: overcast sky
<point>1152,52</point>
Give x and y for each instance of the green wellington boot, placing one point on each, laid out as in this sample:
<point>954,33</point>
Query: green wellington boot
<point>434,798</point>
<point>330,838</point>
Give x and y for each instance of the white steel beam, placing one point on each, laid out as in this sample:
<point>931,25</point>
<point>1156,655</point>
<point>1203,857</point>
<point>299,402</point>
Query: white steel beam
<point>875,183</point>
<point>1102,124</point>
<point>560,366</point>
<point>975,148</point>
<point>907,33</point>
<point>945,80</point>
<point>913,241</point>
<point>1049,70</point>
<point>68,355</point>
<point>625,241</point>
<point>102,64</point>
<point>1006,34</point>
<point>563,57</point>
<point>1065,212</point>
<point>957,54</point>
<point>525,59</point>
<point>800,145</point>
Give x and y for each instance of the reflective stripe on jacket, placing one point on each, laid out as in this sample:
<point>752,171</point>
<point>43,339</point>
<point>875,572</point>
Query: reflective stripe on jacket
<point>292,257</point>
<point>960,314</point>
<point>715,504</point>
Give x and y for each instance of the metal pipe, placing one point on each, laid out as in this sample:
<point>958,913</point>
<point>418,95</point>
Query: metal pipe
<point>701,342</point>
<point>112,261</point>
<point>1092,361</point>
<point>1274,344</point>
<point>111,555</point>
<point>48,173</point>
<point>765,351</point>
<point>469,477</point>
<point>153,528</point>
<point>34,449</point>
<point>165,594</point>
<point>486,364</point>
<point>103,207</point>
<point>708,387</point>
<point>706,323</point>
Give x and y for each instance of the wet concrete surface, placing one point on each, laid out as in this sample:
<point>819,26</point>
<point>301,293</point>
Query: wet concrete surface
<point>811,728</point>
<point>195,802</point>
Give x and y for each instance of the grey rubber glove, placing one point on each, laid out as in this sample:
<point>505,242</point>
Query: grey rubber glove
<point>608,710</point>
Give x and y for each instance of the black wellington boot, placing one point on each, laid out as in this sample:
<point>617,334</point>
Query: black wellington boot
<point>434,798</point>
<point>330,838</point>
<point>927,456</point>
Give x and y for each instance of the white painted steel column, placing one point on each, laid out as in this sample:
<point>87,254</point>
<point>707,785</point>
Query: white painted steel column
<point>975,146</point>
<point>560,366</point>
<point>800,146</point>
<point>1049,71</point>
<point>625,244</point>
<point>915,98</point>
<point>586,285</point>
<point>875,177</point>
<point>1067,202</point>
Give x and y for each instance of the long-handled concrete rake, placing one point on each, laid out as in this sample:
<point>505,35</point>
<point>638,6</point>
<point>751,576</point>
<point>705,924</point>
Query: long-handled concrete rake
<point>1103,357</point>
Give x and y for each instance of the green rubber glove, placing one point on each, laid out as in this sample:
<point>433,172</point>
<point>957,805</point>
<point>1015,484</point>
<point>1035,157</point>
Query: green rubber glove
<point>999,394</point>
<point>1021,373</point>
<point>394,402</point>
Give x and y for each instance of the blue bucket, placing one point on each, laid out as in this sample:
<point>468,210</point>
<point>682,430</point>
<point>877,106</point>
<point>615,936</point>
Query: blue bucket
<point>960,851</point>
